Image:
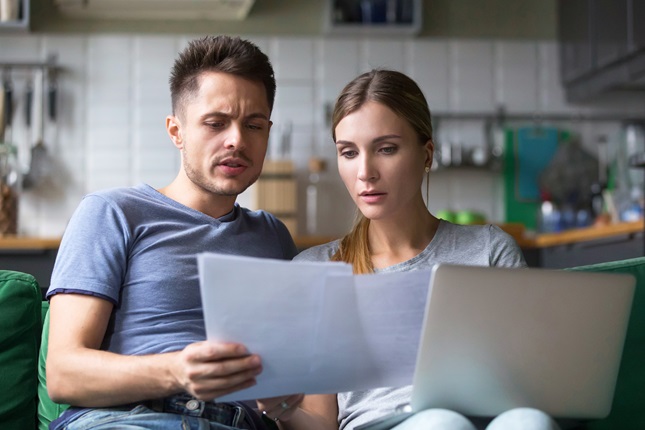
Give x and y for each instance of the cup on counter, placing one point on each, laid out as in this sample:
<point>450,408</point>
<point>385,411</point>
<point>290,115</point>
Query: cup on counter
<point>446,215</point>
<point>465,217</point>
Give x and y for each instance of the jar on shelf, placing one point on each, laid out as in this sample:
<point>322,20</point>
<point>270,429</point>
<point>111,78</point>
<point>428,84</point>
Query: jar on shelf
<point>9,190</point>
<point>316,167</point>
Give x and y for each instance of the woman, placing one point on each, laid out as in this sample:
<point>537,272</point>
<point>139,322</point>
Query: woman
<point>383,134</point>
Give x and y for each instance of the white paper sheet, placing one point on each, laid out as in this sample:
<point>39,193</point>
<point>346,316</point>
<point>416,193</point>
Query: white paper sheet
<point>317,327</point>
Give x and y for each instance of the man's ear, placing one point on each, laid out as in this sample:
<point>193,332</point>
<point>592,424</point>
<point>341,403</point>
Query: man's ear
<point>173,127</point>
<point>429,147</point>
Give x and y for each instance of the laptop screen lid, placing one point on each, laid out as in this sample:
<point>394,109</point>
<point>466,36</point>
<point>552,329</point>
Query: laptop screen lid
<point>494,339</point>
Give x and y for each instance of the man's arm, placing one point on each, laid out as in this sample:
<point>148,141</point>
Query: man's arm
<point>79,373</point>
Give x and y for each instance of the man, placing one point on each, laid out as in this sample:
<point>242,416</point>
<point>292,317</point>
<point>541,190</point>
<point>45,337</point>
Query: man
<point>126,325</point>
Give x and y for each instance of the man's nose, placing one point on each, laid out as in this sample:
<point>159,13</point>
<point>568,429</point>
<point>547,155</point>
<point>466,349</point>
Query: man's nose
<point>234,137</point>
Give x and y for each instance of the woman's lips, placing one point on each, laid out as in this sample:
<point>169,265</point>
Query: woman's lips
<point>372,197</point>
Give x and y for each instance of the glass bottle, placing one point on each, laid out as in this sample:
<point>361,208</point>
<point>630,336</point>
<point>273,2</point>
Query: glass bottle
<point>316,167</point>
<point>9,190</point>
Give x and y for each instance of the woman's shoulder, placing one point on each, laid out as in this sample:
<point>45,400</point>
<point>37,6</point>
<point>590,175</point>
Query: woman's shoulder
<point>492,234</point>
<point>473,230</point>
<point>322,252</point>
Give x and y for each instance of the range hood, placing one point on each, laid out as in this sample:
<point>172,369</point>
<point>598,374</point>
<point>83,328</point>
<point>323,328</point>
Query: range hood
<point>222,10</point>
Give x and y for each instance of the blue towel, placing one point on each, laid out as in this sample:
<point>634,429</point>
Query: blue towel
<point>534,149</point>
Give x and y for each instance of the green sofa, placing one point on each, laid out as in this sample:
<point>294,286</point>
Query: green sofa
<point>24,404</point>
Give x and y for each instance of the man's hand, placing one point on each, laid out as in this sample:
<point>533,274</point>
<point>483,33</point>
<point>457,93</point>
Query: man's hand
<point>208,370</point>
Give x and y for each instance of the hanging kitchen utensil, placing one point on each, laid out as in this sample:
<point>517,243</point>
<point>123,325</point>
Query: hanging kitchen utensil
<point>2,117</point>
<point>40,160</point>
<point>7,106</point>
<point>24,146</point>
<point>52,91</point>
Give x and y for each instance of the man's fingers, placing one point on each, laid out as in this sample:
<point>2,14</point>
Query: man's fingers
<point>225,368</point>
<point>209,351</point>
<point>229,385</point>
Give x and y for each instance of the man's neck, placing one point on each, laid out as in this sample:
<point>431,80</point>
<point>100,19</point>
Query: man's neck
<point>196,198</point>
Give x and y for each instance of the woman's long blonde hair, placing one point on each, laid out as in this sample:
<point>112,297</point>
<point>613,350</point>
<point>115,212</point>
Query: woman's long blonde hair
<point>404,97</point>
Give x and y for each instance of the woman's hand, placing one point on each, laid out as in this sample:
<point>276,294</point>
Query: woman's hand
<point>280,408</point>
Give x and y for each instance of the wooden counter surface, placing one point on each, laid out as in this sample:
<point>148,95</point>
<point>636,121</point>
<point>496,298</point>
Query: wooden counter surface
<point>578,235</point>
<point>23,242</point>
<point>528,241</point>
<point>537,241</point>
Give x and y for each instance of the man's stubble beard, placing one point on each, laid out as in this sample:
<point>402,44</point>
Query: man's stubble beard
<point>210,185</point>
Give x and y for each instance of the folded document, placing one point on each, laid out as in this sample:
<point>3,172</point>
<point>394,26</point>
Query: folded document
<point>317,327</point>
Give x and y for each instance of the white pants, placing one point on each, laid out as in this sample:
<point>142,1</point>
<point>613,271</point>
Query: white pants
<point>514,419</point>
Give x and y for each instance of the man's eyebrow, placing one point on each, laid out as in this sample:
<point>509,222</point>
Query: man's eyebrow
<point>258,116</point>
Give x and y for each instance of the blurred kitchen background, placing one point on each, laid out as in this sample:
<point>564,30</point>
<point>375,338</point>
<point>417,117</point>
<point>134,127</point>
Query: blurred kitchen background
<point>538,105</point>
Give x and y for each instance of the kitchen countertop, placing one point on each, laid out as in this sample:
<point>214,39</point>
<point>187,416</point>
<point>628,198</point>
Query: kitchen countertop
<point>35,243</point>
<point>32,243</point>
<point>543,240</point>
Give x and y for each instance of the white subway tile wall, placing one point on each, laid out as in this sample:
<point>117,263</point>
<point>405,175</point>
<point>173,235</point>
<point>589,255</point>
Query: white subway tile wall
<point>113,98</point>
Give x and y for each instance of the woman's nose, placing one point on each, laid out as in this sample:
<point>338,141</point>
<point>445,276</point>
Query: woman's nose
<point>366,170</point>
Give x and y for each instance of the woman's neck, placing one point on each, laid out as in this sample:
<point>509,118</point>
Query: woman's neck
<point>395,241</point>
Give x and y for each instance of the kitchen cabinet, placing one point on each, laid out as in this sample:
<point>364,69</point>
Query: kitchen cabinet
<point>583,246</point>
<point>35,256</point>
<point>373,17</point>
<point>585,253</point>
<point>21,23</point>
<point>636,26</point>
<point>574,26</point>
<point>602,46</point>
<point>610,37</point>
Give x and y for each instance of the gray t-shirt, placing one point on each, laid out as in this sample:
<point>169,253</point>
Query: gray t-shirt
<point>137,248</point>
<point>455,244</point>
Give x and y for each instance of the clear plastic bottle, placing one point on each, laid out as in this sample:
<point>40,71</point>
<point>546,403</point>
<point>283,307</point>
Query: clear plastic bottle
<point>549,218</point>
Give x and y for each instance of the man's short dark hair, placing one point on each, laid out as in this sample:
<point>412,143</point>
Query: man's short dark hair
<point>218,54</point>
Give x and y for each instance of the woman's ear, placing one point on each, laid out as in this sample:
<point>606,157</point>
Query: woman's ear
<point>429,148</point>
<point>173,127</point>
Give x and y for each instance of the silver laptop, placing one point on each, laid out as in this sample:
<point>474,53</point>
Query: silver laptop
<point>494,339</point>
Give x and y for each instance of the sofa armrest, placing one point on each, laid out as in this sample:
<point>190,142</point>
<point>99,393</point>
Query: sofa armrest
<point>629,397</point>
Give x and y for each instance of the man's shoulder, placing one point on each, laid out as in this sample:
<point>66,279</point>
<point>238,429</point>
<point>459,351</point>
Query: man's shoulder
<point>116,193</point>
<point>121,196</point>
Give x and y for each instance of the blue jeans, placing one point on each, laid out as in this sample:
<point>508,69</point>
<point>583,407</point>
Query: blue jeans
<point>177,412</point>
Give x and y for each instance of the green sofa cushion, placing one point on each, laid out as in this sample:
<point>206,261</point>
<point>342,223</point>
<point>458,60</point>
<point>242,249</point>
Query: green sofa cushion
<point>47,409</point>
<point>20,307</point>
<point>629,398</point>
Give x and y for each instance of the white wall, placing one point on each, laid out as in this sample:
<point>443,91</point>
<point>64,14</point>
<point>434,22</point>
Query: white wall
<point>114,98</point>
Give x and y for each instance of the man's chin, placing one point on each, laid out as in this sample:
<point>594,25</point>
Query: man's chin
<point>230,191</point>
